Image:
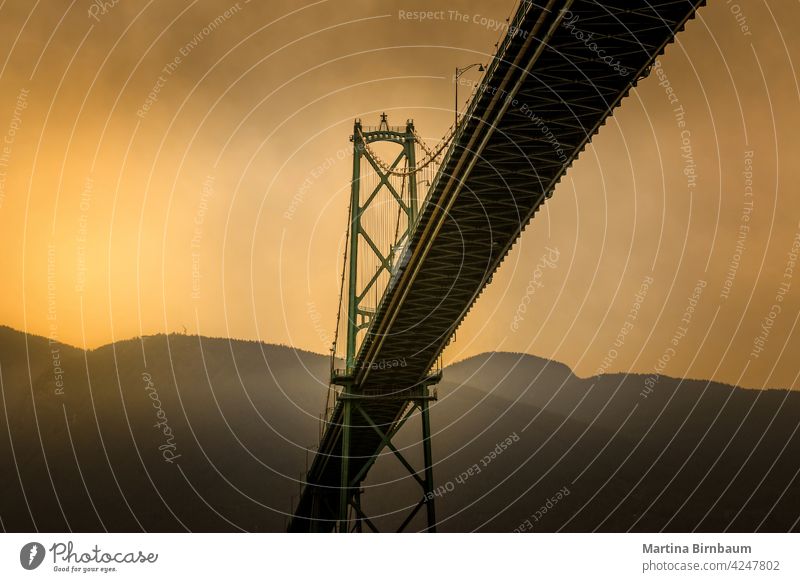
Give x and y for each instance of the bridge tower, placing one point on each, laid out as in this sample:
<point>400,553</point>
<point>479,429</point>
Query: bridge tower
<point>383,210</point>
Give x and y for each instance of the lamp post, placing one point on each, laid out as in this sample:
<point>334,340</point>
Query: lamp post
<point>460,71</point>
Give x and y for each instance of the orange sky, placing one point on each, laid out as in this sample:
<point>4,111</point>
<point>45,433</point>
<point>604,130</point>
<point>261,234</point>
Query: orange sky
<point>164,165</point>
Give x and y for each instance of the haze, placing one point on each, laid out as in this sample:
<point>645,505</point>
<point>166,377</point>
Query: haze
<point>174,167</point>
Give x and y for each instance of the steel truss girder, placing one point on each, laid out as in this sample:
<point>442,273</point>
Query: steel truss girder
<point>515,168</point>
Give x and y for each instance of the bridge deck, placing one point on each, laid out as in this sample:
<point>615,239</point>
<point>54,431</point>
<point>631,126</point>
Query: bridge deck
<point>548,90</point>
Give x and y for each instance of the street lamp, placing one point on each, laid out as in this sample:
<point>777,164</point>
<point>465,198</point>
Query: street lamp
<point>460,71</point>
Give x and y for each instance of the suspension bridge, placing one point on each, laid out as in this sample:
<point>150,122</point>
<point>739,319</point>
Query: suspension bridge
<point>414,265</point>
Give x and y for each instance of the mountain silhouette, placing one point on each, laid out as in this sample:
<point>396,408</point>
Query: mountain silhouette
<point>189,433</point>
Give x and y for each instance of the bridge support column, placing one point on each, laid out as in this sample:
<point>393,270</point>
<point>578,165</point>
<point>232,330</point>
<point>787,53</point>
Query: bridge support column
<point>350,513</point>
<point>344,483</point>
<point>428,459</point>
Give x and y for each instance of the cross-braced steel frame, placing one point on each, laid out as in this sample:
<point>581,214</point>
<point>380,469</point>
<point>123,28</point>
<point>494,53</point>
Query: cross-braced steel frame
<point>366,421</point>
<point>359,317</point>
<point>350,484</point>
